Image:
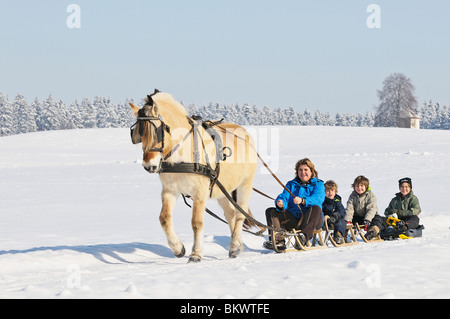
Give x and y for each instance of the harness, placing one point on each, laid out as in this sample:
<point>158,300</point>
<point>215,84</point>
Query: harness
<point>196,167</point>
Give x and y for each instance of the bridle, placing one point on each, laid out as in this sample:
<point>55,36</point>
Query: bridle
<point>160,130</point>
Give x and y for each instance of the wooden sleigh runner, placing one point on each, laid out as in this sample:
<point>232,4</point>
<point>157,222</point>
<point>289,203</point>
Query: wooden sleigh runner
<point>292,241</point>
<point>349,238</point>
<point>362,234</point>
<point>351,233</point>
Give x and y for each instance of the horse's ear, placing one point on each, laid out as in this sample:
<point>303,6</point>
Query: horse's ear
<point>134,108</point>
<point>156,91</point>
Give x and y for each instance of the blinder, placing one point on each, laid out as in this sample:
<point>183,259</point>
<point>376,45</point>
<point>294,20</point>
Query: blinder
<point>159,130</point>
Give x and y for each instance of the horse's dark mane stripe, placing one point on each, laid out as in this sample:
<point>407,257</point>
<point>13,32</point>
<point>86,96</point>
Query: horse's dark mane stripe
<point>149,100</point>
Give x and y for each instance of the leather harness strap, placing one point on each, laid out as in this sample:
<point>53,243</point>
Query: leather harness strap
<point>196,167</point>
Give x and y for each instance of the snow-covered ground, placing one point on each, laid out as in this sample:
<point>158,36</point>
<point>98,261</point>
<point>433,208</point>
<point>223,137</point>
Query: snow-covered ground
<point>79,219</point>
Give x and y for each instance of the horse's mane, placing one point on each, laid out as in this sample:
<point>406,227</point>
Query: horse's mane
<point>166,103</point>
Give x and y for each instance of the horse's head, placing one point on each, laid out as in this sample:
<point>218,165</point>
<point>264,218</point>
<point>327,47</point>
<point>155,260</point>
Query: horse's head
<point>149,130</point>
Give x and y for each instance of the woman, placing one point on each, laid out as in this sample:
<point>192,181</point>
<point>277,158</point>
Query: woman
<point>303,210</point>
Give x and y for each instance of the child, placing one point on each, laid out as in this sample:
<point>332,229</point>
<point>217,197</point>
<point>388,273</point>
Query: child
<point>405,205</point>
<point>362,208</point>
<point>332,206</point>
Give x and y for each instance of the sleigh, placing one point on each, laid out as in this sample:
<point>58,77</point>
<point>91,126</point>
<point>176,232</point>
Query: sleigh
<point>294,243</point>
<point>320,238</point>
<point>349,238</point>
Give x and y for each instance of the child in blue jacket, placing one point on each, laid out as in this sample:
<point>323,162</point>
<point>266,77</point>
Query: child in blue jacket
<point>303,210</point>
<point>332,206</point>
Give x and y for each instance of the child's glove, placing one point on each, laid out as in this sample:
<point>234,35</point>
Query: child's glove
<point>334,217</point>
<point>366,225</point>
<point>401,226</point>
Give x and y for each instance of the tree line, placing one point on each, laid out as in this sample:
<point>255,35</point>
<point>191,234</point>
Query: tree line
<point>19,116</point>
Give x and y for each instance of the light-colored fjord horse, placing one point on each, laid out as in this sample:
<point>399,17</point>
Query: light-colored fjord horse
<point>164,128</point>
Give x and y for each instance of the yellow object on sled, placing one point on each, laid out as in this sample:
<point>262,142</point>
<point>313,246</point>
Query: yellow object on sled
<point>392,221</point>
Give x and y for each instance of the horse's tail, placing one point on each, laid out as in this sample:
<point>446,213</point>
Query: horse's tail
<point>248,224</point>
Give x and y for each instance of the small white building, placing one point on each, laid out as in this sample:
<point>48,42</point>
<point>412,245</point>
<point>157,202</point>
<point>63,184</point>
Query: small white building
<point>410,121</point>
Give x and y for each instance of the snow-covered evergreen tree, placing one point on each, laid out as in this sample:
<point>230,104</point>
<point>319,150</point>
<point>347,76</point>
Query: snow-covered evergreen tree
<point>267,116</point>
<point>290,116</point>
<point>368,120</point>
<point>65,119</point>
<point>26,115</point>
<point>6,116</point>
<point>88,113</point>
<point>47,115</point>
<point>434,116</point>
<point>125,116</point>
<point>192,109</point>
<point>324,119</point>
<point>307,119</point>
<point>75,115</point>
<point>341,119</point>
<point>106,112</point>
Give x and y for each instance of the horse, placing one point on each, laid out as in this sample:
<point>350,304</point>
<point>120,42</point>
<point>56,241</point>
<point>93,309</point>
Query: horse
<point>191,157</point>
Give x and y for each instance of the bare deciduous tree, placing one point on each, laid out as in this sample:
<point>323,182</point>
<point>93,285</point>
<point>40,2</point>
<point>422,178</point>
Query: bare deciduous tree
<point>397,101</point>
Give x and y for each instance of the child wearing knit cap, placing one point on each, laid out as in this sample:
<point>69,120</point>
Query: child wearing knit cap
<point>404,206</point>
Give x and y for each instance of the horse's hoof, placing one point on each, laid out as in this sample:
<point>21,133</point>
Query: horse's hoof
<point>235,250</point>
<point>194,259</point>
<point>234,253</point>
<point>181,254</point>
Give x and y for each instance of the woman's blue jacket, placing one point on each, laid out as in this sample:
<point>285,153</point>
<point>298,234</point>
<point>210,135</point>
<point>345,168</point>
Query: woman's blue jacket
<point>313,192</point>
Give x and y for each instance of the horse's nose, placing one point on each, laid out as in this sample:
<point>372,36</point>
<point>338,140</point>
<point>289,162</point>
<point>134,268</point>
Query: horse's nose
<point>151,168</point>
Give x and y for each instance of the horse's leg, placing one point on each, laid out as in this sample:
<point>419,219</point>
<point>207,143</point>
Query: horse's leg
<point>244,192</point>
<point>230,212</point>
<point>198,210</point>
<point>236,246</point>
<point>165,218</point>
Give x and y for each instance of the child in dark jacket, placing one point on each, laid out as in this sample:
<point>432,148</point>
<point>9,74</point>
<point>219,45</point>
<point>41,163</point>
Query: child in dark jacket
<point>332,206</point>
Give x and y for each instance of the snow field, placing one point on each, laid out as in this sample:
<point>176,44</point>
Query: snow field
<point>79,219</point>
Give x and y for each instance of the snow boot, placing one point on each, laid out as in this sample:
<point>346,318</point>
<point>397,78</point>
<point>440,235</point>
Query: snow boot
<point>338,239</point>
<point>269,245</point>
<point>302,240</point>
<point>372,232</point>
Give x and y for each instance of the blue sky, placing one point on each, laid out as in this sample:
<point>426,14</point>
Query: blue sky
<point>308,54</point>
